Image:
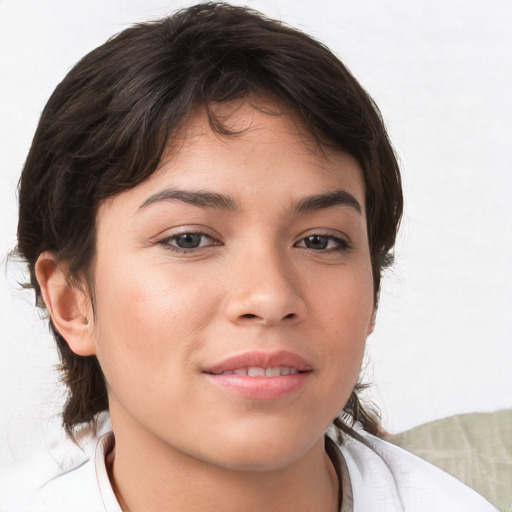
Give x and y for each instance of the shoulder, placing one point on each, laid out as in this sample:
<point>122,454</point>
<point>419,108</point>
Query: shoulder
<point>76,487</point>
<point>386,478</point>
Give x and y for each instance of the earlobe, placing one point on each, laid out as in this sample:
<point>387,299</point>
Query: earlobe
<point>67,305</point>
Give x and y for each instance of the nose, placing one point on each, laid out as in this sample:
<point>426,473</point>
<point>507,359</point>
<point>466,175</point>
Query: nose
<point>265,289</point>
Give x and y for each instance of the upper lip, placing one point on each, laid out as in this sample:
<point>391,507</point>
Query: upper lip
<point>280,358</point>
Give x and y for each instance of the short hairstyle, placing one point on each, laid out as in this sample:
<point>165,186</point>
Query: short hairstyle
<point>107,124</point>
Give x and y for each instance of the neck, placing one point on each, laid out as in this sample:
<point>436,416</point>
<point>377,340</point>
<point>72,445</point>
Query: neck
<point>149,475</point>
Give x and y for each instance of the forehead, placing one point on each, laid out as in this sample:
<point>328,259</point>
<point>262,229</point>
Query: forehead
<point>254,132</point>
<point>260,152</point>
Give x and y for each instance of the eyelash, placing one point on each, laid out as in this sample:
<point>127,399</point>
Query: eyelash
<point>167,242</point>
<point>342,245</point>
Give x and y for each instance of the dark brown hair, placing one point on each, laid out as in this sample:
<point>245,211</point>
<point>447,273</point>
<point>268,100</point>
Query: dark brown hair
<point>108,122</point>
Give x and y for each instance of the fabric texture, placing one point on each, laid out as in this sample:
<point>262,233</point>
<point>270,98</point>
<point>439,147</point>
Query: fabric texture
<point>475,448</point>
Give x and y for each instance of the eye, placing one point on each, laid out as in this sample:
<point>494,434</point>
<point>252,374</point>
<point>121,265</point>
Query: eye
<point>325,243</point>
<point>184,242</point>
<point>189,240</point>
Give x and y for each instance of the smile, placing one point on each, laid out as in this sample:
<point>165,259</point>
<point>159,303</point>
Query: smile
<point>260,375</point>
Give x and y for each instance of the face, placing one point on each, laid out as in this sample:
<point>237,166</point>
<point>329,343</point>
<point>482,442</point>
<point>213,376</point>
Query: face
<point>234,293</point>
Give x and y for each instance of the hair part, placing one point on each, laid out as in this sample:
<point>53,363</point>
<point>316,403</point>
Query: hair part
<point>108,123</point>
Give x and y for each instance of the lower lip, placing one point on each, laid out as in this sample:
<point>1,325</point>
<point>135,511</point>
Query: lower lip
<point>260,388</point>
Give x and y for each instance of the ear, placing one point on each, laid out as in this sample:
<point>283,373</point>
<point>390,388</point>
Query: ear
<point>69,307</point>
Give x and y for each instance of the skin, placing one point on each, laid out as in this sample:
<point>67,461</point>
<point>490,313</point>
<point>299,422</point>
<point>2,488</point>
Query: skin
<point>255,282</point>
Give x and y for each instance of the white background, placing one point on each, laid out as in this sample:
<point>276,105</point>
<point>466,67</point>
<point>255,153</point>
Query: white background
<point>441,72</point>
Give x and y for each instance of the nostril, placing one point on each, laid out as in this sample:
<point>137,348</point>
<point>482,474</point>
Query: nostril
<point>252,315</point>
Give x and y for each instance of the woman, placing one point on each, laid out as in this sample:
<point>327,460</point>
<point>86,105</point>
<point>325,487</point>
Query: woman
<point>206,210</point>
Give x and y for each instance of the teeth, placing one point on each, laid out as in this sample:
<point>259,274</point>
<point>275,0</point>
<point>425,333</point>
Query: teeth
<point>256,371</point>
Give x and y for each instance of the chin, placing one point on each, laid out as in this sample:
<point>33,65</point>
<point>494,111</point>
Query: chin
<point>262,450</point>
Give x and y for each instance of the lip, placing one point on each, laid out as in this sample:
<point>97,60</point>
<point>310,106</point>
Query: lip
<point>262,360</point>
<point>260,388</point>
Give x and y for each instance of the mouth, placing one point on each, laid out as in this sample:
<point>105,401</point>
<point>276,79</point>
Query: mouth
<point>261,364</point>
<point>261,375</point>
<point>257,371</point>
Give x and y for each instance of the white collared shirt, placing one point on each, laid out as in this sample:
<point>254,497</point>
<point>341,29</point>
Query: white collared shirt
<point>383,478</point>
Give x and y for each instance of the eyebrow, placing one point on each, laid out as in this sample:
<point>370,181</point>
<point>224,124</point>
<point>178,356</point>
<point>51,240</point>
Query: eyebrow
<point>327,200</point>
<point>203,199</point>
<point>199,198</point>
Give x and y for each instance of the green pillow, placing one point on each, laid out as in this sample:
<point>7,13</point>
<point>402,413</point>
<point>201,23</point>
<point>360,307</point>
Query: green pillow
<point>475,448</point>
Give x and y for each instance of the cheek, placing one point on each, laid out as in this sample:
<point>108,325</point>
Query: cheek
<point>149,322</point>
<point>344,316</point>
<point>344,303</point>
